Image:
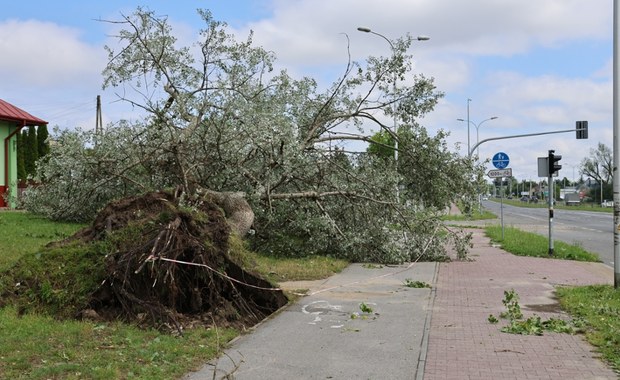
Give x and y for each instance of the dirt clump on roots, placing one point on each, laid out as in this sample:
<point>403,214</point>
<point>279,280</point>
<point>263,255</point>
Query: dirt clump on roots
<point>170,266</point>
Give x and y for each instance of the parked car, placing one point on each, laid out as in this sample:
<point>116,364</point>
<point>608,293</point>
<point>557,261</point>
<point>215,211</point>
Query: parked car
<point>533,199</point>
<point>525,198</point>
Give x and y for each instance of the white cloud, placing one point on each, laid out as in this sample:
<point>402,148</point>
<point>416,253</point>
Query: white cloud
<point>37,53</point>
<point>552,100</point>
<point>307,30</point>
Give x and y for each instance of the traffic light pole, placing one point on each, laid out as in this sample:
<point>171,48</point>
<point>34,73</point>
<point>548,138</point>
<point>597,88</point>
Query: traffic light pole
<point>582,133</point>
<point>553,166</point>
<point>473,148</point>
<point>551,196</point>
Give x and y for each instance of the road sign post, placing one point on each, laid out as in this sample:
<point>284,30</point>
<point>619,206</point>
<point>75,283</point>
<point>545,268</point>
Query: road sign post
<point>501,205</point>
<point>500,173</point>
<point>501,160</point>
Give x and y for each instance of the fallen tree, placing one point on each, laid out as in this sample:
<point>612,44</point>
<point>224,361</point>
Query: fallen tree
<point>217,116</point>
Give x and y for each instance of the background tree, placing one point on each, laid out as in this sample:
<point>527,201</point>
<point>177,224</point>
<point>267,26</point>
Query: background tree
<point>220,118</point>
<point>32,144</point>
<point>21,166</point>
<point>382,145</point>
<point>513,186</point>
<point>599,166</point>
<point>42,141</point>
<point>566,182</point>
<point>432,175</point>
<point>31,153</point>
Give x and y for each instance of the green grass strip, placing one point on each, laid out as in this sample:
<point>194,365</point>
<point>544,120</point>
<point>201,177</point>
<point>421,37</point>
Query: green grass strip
<point>523,243</point>
<point>39,348</point>
<point>24,232</point>
<point>598,308</point>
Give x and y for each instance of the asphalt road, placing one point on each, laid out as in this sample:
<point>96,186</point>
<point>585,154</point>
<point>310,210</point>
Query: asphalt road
<point>591,230</point>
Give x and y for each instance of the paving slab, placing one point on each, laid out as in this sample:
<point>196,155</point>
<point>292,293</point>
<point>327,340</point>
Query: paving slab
<point>464,345</point>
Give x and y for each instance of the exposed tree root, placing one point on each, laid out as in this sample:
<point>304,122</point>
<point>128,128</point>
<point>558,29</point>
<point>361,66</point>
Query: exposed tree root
<point>169,265</point>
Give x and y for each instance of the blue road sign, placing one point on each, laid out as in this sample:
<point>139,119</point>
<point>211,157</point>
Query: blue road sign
<point>501,160</point>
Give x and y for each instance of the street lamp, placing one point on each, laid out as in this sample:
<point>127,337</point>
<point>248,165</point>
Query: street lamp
<point>573,178</point>
<point>395,127</point>
<point>477,143</point>
<point>477,131</point>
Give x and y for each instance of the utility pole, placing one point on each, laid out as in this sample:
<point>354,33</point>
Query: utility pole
<point>468,141</point>
<point>98,123</point>
<point>616,144</point>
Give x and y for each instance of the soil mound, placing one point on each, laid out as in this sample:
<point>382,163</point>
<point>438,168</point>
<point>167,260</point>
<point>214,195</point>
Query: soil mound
<point>170,264</point>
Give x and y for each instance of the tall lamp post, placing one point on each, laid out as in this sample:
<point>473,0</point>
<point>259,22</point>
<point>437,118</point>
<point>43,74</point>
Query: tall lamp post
<point>395,127</point>
<point>477,131</point>
<point>477,142</point>
<point>574,182</point>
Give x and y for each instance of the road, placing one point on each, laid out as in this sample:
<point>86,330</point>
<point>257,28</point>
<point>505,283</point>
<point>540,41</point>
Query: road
<point>591,230</point>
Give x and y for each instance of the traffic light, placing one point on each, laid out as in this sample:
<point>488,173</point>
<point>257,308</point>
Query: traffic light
<point>553,162</point>
<point>582,130</point>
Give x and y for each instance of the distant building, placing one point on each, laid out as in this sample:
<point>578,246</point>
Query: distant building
<point>12,120</point>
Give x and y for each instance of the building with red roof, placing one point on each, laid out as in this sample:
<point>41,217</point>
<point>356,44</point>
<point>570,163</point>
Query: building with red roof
<point>12,120</point>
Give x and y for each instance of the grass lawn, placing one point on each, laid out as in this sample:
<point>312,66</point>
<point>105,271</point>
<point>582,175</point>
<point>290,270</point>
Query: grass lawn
<point>598,307</point>
<point>530,244</point>
<point>23,232</point>
<point>41,347</point>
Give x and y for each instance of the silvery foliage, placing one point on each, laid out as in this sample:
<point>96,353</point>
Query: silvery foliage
<point>83,171</point>
<point>219,117</point>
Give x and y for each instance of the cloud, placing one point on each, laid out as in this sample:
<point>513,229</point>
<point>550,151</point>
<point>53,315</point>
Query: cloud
<point>44,54</point>
<point>552,100</point>
<point>307,34</point>
<point>307,30</point>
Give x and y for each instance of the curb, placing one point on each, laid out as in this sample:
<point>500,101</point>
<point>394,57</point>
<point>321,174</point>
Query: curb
<point>419,375</point>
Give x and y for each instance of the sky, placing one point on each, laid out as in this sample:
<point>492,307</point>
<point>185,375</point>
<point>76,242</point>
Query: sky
<point>536,65</point>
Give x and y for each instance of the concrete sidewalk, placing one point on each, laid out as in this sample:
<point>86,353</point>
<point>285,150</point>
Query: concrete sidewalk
<point>325,335</point>
<point>412,333</point>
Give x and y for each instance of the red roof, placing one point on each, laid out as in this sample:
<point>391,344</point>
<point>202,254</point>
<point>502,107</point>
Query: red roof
<point>11,113</point>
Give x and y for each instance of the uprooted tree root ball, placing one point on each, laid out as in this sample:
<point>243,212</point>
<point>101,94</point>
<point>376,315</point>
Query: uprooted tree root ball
<point>168,264</point>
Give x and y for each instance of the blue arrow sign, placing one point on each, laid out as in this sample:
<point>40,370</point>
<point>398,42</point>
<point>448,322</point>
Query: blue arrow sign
<point>501,160</point>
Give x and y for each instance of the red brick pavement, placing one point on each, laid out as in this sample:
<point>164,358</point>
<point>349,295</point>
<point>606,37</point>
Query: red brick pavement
<point>464,345</point>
